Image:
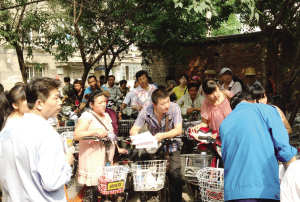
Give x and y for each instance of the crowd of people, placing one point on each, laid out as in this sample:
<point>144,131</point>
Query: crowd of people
<point>35,167</point>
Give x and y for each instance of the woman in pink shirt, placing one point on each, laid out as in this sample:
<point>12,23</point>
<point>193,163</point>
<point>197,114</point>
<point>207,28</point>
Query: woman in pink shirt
<point>215,108</point>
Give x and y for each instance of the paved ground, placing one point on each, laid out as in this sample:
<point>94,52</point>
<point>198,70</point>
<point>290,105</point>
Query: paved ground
<point>135,198</point>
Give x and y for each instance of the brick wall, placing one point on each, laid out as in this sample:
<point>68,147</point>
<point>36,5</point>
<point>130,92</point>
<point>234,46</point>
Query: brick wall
<point>234,51</point>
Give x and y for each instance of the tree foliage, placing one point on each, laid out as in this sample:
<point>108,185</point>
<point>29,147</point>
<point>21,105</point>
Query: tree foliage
<point>15,26</point>
<point>231,26</point>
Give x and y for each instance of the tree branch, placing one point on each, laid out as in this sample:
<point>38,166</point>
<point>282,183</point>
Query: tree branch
<point>3,9</point>
<point>66,26</point>
<point>20,19</point>
<point>281,14</point>
<point>104,51</point>
<point>80,12</point>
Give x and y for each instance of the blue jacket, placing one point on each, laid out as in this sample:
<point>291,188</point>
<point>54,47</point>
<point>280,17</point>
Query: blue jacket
<point>253,139</point>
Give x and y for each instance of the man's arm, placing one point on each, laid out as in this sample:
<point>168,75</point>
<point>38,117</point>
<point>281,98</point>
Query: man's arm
<point>177,130</point>
<point>63,100</point>
<point>105,92</point>
<point>81,107</point>
<point>138,124</point>
<point>181,100</point>
<point>284,152</point>
<point>134,130</point>
<point>190,110</point>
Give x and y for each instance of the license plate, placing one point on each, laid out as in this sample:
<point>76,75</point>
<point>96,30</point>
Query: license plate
<point>115,185</point>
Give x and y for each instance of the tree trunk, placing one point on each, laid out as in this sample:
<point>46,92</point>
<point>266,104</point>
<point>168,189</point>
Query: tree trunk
<point>20,56</point>
<point>86,70</point>
<point>294,112</point>
<point>263,57</point>
<point>293,74</point>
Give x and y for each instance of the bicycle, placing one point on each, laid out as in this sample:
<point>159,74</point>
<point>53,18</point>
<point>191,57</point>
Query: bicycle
<point>112,179</point>
<point>149,176</point>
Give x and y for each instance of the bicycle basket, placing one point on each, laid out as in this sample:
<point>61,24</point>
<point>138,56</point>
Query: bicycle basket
<point>65,129</point>
<point>149,175</point>
<point>211,182</point>
<point>191,164</point>
<point>112,179</point>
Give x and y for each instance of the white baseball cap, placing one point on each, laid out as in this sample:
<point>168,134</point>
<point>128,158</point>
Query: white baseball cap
<point>224,70</point>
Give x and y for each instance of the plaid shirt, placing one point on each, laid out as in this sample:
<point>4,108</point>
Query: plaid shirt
<point>141,96</point>
<point>147,115</point>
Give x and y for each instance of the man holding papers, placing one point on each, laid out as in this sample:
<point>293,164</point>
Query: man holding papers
<point>155,116</point>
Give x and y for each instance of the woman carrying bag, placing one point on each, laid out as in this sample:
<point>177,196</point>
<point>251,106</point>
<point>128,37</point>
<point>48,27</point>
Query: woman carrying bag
<point>94,122</point>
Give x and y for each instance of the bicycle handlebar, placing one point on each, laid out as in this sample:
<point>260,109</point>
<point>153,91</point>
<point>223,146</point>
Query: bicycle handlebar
<point>94,138</point>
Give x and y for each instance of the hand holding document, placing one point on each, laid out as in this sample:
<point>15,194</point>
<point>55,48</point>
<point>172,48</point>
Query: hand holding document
<point>144,140</point>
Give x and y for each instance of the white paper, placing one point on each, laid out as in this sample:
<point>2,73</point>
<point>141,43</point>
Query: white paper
<point>144,140</point>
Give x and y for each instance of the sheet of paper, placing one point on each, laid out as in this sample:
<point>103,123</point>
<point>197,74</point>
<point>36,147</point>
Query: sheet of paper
<point>144,140</point>
<point>152,144</point>
<point>141,136</point>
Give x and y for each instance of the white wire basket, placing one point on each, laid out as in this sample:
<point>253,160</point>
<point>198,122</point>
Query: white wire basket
<point>149,175</point>
<point>191,164</point>
<point>65,129</point>
<point>112,179</point>
<point>211,182</point>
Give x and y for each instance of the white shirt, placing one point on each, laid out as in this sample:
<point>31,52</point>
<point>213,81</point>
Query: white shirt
<point>234,87</point>
<point>187,101</point>
<point>32,161</point>
<point>128,98</point>
<point>290,185</point>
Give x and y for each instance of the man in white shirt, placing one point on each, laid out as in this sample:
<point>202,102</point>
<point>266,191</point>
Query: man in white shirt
<point>114,91</point>
<point>193,100</point>
<point>228,83</point>
<point>128,98</point>
<point>33,164</point>
<point>290,185</point>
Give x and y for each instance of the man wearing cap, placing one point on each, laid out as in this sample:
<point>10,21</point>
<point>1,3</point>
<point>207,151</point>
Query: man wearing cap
<point>229,84</point>
<point>250,74</point>
<point>209,74</point>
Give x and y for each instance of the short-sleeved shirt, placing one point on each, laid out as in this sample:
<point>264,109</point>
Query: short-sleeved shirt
<point>233,87</point>
<point>114,91</point>
<point>253,140</point>
<point>187,101</point>
<point>89,90</point>
<point>107,120</point>
<point>215,114</point>
<point>128,98</point>
<point>180,93</point>
<point>141,96</point>
<point>147,116</point>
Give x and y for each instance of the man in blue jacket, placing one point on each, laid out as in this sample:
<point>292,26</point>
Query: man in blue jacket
<point>253,140</point>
